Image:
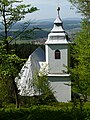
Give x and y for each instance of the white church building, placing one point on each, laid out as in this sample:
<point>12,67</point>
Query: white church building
<point>55,59</point>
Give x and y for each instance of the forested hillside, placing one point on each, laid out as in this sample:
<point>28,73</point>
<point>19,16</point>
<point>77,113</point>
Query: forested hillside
<point>42,29</point>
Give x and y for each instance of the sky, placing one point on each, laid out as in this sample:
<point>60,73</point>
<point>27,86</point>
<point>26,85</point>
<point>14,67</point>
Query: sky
<point>47,9</point>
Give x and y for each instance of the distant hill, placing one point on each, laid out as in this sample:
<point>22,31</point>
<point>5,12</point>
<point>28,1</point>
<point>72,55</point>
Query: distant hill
<point>48,23</point>
<point>71,26</point>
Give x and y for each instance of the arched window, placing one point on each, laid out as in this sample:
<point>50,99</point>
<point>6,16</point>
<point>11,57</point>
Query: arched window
<point>57,54</point>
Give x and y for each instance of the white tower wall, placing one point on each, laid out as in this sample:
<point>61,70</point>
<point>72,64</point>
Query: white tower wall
<point>61,88</point>
<point>57,59</point>
<point>57,65</point>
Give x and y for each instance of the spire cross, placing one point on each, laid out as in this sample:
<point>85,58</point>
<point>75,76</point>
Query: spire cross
<point>58,9</point>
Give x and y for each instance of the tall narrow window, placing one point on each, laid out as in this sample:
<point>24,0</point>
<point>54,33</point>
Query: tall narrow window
<point>57,54</point>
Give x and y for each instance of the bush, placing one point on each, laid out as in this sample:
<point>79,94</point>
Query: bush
<point>61,111</point>
<point>36,113</point>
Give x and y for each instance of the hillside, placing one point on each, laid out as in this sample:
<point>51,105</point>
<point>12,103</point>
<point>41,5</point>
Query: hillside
<point>71,26</point>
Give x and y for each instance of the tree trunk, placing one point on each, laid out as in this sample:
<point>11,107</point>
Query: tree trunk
<point>16,92</point>
<point>5,25</point>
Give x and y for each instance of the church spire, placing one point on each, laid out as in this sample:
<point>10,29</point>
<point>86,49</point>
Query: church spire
<point>58,27</point>
<point>57,34</point>
<point>58,9</point>
<point>58,19</point>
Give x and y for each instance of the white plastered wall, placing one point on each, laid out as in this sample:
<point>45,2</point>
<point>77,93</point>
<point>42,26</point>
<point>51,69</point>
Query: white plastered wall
<point>61,87</point>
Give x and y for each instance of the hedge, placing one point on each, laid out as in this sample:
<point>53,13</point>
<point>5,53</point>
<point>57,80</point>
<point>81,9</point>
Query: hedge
<point>41,113</point>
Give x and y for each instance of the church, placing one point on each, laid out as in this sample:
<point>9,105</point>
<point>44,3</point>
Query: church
<point>56,61</point>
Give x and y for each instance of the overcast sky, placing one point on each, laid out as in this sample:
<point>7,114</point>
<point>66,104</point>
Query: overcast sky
<point>48,9</point>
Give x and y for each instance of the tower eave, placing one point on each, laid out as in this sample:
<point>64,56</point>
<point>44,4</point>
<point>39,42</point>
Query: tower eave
<point>61,42</point>
<point>59,75</point>
<point>58,20</point>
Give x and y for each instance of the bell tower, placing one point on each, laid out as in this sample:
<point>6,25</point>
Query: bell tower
<point>57,59</point>
<point>57,48</point>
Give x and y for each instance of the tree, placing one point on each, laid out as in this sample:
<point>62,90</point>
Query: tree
<point>81,55</point>
<point>81,52</point>
<point>10,65</point>
<point>83,6</point>
<point>41,84</point>
<point>12,11</point>
<point>80,72</point>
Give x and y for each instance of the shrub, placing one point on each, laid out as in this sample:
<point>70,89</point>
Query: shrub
<point>36,113</point>
<point>62,111</point>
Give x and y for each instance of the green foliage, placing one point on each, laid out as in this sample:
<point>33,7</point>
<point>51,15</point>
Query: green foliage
<point>36,112</point>
<point>61,111</point>
<point>83,6</point>
<point>40,82</point>
<point>24,50</point>
<point>44,99</point>
<point>42,89</point>
<point>10,65</point>
<point>3,92</point>
<point>81,55</point>
<point>12,11</point>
